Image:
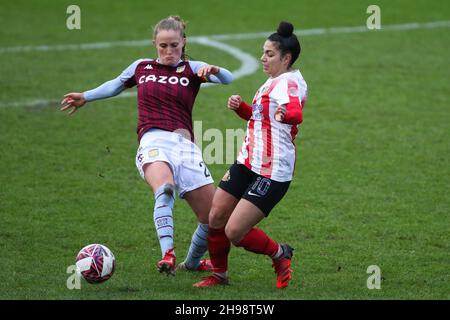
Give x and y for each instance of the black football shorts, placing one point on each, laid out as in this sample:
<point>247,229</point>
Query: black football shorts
<point>243,183</point>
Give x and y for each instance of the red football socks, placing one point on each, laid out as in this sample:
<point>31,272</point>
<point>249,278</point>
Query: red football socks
<point>218,247</point>
<point>257,241</point>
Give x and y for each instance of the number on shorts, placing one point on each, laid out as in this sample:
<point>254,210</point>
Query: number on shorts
<point>263,186</point>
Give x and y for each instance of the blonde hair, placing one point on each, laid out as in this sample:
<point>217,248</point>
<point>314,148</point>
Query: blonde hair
<point>172,23</point>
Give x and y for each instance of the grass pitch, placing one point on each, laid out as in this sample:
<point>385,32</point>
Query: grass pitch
<point>372,177</point>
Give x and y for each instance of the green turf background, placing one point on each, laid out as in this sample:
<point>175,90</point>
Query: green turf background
<point>372,178</point>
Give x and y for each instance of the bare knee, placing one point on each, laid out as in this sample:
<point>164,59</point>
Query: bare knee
<point>167,189</point>
<point>217,217</point>
<point>157,174</point>
<point>200,201</point>
<point>233,233</point>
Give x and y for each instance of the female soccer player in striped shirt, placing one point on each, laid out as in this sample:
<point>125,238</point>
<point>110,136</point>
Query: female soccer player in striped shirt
<point>260,177</point>
<point>167,157</point>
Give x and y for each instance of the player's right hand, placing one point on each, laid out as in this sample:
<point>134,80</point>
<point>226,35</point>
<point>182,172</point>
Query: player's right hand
<point>73,100</point>
<point>234,102</point>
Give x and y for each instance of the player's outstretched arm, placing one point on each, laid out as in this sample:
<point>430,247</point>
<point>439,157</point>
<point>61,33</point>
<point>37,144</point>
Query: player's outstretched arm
<point>76,100</point>
<point>111,88</point>
<point>72,101</point>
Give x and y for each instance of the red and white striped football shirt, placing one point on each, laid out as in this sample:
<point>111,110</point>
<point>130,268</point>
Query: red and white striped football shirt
<point>268,148</point>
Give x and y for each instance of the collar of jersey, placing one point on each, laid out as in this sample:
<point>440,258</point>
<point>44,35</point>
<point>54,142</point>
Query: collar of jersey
<point>179,61</point>
<point>285,73</point>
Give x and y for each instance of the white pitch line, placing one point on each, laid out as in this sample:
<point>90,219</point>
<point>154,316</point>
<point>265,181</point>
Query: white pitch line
<point>239,36</point>
<point>248,63</point>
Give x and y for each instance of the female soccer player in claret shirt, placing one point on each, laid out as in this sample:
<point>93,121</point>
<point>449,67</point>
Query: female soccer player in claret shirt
<point>260,177</point>
<point>167,158</point>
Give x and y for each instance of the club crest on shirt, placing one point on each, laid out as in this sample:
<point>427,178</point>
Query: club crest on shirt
<point>153,153</point>
<point>180,69</point>
<point>257,112</point>
<point>227,176</point>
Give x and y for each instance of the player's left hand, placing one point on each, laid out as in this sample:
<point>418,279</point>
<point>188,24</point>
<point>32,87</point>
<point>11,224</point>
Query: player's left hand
<point>207,70</point>
<point>280,113</point>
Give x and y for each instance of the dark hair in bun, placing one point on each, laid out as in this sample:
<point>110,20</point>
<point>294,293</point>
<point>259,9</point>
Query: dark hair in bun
<point>285,29</point>
<point>286,40</point>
